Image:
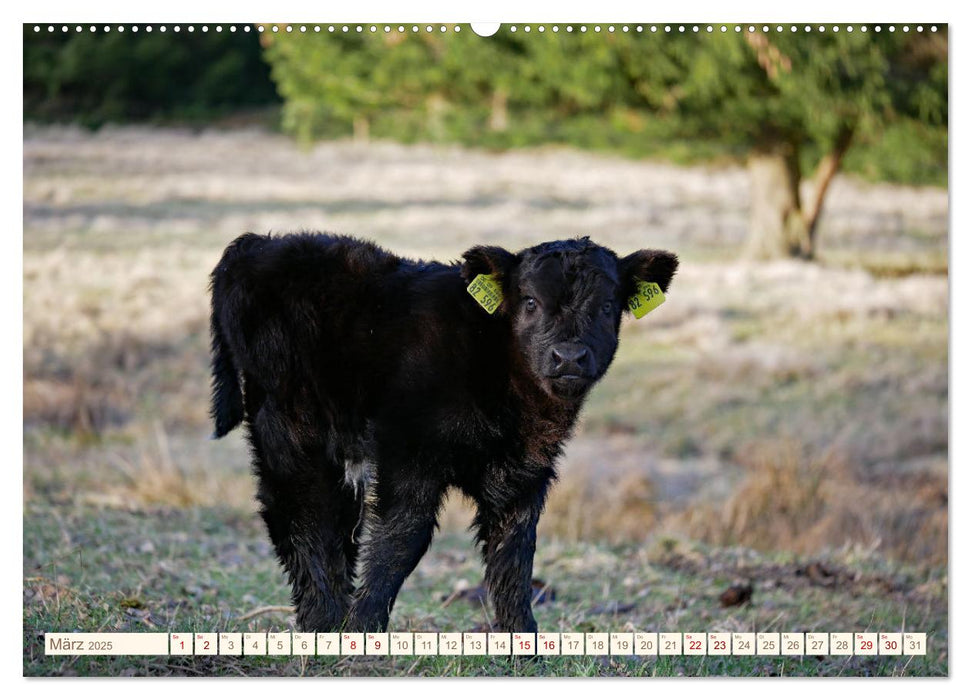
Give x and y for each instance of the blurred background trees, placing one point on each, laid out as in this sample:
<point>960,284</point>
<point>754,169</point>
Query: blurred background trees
<point>795,107</point>
<point>796,104</point>
<point>92,78</point>
<point>791,105</point>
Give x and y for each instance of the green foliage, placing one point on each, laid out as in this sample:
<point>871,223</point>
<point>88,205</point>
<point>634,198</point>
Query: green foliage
<point>93,78</point>
<point>807,89</point>
<point>906,151</point>
<point>686,96</point>
<point>331,81</point>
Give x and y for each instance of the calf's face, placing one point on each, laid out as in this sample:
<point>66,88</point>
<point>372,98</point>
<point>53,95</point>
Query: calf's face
<point>564,301</point>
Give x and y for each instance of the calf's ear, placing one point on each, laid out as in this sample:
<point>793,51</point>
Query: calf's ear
<point>647,266</point>
<point>487,260</point>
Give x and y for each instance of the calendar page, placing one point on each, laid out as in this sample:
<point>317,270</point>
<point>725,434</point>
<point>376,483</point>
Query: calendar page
<point>558,349</point>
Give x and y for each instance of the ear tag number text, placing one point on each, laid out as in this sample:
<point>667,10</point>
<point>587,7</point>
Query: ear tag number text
<point>486,290</point>
<point>647,298</point>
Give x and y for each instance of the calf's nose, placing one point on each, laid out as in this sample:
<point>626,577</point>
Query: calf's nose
<point>569,356</point>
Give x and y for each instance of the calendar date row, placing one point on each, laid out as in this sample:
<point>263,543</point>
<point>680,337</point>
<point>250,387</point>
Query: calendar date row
<point>489,644</point>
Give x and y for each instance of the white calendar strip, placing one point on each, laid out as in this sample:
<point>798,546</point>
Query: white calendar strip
<point>488,644</point>
<point>106,644</point>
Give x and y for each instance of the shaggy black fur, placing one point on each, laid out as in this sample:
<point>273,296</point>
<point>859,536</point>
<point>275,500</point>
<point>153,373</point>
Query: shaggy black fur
<point>370,384</point>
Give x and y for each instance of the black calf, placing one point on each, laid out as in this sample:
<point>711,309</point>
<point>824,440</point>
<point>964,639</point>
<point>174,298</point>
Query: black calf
<point>370,384</point>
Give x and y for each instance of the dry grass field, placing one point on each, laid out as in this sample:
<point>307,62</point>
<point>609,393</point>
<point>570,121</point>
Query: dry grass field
<point>792,411</point>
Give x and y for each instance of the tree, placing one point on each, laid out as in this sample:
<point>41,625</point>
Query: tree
<point>352,78</point>
<point>785,102</point>
<point>789,102</point>
<point>322,79</point>
<point>98,77</point>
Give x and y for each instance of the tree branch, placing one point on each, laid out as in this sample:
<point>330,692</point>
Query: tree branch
<point>825,172</point>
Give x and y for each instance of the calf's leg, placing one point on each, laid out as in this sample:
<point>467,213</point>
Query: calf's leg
<point>310,514</point>
<point>399,528</point>
<point>508,538</point>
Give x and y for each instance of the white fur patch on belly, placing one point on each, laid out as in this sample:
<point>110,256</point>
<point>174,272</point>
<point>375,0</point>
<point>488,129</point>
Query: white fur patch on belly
<point>358,475</point>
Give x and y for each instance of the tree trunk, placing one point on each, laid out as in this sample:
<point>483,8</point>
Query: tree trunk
<point>825,172</point>
<point>777,228</point>
<point>435,108</point>
<point>499,113</point>
<point>362,129</point>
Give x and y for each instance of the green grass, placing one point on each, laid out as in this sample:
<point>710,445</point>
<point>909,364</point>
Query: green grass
<point>189,570</point>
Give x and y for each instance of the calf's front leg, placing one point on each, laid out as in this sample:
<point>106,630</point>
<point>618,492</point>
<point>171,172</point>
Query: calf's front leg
<point>508,539</point>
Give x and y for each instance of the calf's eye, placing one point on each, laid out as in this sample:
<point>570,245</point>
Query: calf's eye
<point>530,304</point>
<point>608,307</point>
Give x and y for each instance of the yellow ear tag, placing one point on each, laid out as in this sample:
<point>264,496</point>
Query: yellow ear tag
<point>486,290</point>
<point>647,298</point>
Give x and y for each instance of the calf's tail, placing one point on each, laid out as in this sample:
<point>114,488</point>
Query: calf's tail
<point>226,406</point>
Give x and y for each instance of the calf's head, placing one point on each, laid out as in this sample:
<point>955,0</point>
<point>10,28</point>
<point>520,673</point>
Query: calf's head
<point>563,301</point>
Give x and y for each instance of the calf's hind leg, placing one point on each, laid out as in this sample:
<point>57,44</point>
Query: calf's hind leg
<point>311,515</point>
<point>400,525</point>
